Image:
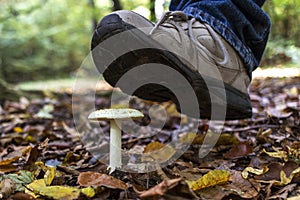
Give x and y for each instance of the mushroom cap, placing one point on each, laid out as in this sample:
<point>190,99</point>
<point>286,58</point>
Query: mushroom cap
<point>115,113</point>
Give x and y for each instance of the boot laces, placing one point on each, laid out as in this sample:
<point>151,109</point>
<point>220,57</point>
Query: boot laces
<point>179,16</point>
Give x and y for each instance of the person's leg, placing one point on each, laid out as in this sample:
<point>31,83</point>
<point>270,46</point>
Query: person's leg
<point>198,52</point>
<point>243,24</point>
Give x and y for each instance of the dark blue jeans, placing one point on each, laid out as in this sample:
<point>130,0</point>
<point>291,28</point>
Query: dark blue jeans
<point>242,23</point>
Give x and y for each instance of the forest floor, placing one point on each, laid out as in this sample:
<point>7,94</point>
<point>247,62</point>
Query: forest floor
<point>42,156</point>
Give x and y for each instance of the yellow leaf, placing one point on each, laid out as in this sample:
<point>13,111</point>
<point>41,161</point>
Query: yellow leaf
<point>34,187</point>
<point>227,139</point>
<point>284,180</point>
<point>49,175</point>
<point>153,146</point>
<point>18,130</point>
<point>277,154</point>
<point>188,138</point>
<point>29,138</point>
<point>212,178</point>
<point>89,191</point>
<point>252,170</point>
<point>170,109</point>
<point>158,152</point>
<point>294,198</point>
<point>38,187</point>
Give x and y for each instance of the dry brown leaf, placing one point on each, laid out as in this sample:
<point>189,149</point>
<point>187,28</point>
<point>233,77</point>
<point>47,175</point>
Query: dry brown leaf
<point>15,155</point>
<point>280,114</point>
<point>215,193</point>
<point>7,188</point>
<point>224,139</point>
<point>280,174</point>
<point>294,150</point>
<point>175,189</point>
<point>98,179</point>
<point>283,193</point>
<point>238,150</point>
<point>21,196</point>
<point>8,168</point>
<point>188,174</point>
<point>241,187</point>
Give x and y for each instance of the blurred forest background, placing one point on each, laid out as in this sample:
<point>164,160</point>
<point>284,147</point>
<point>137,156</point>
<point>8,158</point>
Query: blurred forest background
<point>48,39</point>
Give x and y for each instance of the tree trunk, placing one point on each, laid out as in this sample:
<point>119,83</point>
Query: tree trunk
<point>117,5</point>
<point>152,10</point>
<point>94,19</point>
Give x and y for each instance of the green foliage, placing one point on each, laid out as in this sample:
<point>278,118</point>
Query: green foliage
<point>49,38</point>
<point>284,43</point>
<point>285,17</point>
<point>39,38</point>
<point>24,178</point>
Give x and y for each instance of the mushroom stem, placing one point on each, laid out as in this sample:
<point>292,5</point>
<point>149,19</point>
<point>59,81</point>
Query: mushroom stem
<point>115,158</point>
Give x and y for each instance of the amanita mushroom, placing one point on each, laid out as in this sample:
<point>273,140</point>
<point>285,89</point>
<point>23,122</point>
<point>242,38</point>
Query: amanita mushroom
<point>114,115</point>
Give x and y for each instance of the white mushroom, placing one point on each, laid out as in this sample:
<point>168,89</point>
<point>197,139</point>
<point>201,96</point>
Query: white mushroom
<point>114,115</point>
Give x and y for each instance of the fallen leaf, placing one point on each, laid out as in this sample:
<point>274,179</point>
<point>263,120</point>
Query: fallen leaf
<point>49,175</point>
<point>38,188</point>
<point>7,188</point>
<point>212,178</point>
<point>280,174</point>
<point>292,92</point>
<point>98,179</point>
<point>278,154</point>
<point>224,139</point>
<point>283,193</point>
<point>18,130</point>
<point>284,179</point>
<point>158,152</point>
<point>214,193</point>
<point>188,174</point>
<point>294,151</point>
<point>24,178</point>
<point>170,108</point>
<point>190,137</point>
<point>294,198</point>
<point>252,170</point>
<point>45,112</point>
<point>280,114</point>
<point>15,155</point>
<point>242,187</point>
<point>8,168</point>
<point>21,196</point>
<point>239,150</point>
<point>264,135</point>
<point>170,189</point>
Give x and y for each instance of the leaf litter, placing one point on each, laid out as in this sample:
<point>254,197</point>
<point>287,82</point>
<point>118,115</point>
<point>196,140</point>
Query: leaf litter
<point>43,157</point>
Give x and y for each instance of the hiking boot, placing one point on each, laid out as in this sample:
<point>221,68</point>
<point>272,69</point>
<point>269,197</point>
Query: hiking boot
<point>211,66</point>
